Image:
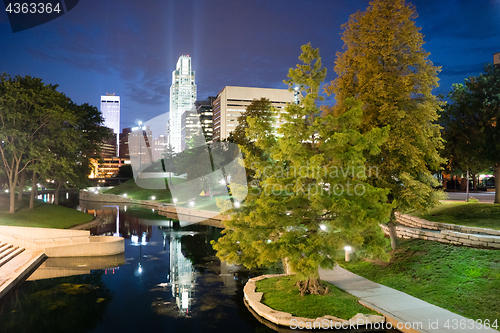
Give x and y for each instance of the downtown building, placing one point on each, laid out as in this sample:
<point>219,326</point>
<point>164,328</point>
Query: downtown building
<point>182,98</point>
<point>198,121</point>
<point>232,101</point>
<point>110,109</point>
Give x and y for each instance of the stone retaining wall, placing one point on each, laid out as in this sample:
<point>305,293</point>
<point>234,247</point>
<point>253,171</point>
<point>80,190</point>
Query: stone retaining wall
<point>415,222</point>
<point>443,235</point>
<point>253,299</point>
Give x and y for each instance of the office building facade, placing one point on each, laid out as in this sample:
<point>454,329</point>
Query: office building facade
<point>233,101</point>
<point>110,109</point>
<point>182,98</point>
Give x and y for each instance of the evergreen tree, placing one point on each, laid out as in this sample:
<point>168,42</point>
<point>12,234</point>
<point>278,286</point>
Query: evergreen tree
<point>386,68</point>
<point>311,197</point>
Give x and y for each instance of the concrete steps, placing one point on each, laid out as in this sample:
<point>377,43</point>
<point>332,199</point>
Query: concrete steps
<point>8,252</point>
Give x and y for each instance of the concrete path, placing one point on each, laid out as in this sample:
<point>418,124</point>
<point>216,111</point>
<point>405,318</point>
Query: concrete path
<point>18,269</point>
<point>401,309</point>
<point>487,197</point>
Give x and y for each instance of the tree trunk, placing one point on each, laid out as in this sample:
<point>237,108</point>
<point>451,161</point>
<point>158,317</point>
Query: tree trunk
<point>56,193</point>
<point>474,182</point>
<point>22,181</point>
<point>33,191</point>
<point>312,286</point>
<point>393,232</point>
<point>12,189</point>
<point>497,183</point>
<point>286,266</point>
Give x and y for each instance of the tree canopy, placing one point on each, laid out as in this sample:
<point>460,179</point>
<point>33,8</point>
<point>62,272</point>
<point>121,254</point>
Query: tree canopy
<point>311,197</point>
<point>43,131</point>
<point>385,67</point>
<point>470,124</point>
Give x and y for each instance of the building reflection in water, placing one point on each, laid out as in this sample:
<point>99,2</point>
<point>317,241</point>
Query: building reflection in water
<point>118,220</point>
<point>182,274</point>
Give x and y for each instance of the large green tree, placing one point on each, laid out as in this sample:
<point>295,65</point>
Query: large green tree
<point>471,124</point>
<point>311,197</point>
<point>385,67</point>
<point>28,107</point>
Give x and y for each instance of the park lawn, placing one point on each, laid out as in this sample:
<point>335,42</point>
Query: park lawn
<point>463,280</point>
<point>482,215</point>
<point>281,295</point>
<point>43,215</point>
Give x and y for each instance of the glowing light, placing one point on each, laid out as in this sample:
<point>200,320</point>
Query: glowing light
<point>347,251</point>
<point>124,195</point>
<point>134,239</point>
<point>153,197</point>
<point>191,203</point>
<point>175,200</point>
<point>140,269</point>
<point>323,227</point>
<point>125,208</point>
<point>237,204</point>
<point>222,182</point>
<point>140,123</point>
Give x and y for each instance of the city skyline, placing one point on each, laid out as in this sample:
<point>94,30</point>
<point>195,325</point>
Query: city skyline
<point>87,52</point>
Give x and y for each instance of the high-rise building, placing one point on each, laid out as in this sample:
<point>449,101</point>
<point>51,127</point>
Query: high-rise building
<point>206,112</point>
<point>190,126</point>
<point>232,101</point>
<point>182,98</point>
<point>496,59</point>
<point>159,145</point>
<point>110,109</point>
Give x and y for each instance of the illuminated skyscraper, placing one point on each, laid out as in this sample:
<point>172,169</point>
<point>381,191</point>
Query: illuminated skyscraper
<point>182,98</point>
<point>110,109</point>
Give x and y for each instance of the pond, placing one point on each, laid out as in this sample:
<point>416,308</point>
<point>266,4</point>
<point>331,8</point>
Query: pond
<point>168,280</point>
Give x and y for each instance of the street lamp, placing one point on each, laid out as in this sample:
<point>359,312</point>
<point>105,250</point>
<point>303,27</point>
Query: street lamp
<point>347,250</point>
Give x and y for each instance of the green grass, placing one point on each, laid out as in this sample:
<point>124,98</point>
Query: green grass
<point>462,280</point>
<point>182,194</point>
<point>280,294</point>
<point>42,216</point>
<point>482,215</point>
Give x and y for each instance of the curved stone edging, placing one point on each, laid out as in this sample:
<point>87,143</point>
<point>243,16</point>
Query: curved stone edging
<point>413,221</point>
<point>253,299</point>
<point>412,227</point>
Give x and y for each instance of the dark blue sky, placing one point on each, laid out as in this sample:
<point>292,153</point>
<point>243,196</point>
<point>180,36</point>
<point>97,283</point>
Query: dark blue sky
<point>130,47</point>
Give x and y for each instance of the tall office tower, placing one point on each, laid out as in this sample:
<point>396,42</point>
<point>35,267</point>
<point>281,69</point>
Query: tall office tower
<point>496,59</point>
<point>182,98</point>
<point>110,109</point>
<point>205,112</point>
<point>232,101</point>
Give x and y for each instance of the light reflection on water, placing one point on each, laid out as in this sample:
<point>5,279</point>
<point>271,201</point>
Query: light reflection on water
<point>168,280</point>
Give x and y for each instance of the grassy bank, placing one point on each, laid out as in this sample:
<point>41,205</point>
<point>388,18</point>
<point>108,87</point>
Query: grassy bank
<point>463,280</point>
<point>42,216</point>
<point>182,194</point>
<point>280,294</point>
<point>482,215</point>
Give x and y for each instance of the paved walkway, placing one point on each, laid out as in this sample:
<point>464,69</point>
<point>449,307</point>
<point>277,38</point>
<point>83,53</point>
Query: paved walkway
<point>399,307</point>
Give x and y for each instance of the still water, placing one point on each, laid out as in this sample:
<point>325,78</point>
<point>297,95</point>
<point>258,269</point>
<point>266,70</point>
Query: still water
<point>168,280</point>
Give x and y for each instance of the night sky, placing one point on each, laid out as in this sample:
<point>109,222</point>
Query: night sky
<point>130,47</point>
